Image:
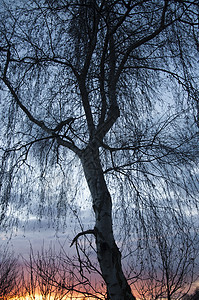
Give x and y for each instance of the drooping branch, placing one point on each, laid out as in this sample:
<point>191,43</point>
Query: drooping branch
<point>89,231</point>
<point>67,142</point>
<point>24,108</point>
<point>144,40</point>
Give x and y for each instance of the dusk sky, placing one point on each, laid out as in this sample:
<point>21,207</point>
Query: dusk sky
<point>44,233</point>
<point>99,146</point>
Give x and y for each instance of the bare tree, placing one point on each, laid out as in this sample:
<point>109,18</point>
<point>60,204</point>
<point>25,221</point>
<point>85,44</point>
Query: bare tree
<point>10,275</point>
<point>55,275</point>
<point>111,85</point>
<point>30,278</point>
<point>171,262</point>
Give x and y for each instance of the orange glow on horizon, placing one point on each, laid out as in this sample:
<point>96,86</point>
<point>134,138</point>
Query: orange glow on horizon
<point>51,297</point>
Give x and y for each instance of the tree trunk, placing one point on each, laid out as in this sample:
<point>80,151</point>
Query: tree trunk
<point>108,254</point>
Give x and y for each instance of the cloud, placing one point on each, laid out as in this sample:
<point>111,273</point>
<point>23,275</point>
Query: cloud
<point>45,233</point>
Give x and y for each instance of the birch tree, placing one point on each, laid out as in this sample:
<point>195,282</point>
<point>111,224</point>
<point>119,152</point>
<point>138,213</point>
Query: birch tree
<point>110,87</point>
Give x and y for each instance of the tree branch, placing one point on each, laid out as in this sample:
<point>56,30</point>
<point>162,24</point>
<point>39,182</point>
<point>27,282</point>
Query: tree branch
<point>103,128</point>
<point>63,123</point>
<point>7,63</point>
<point>144,40</point>
<point>69,144</point>
<point>89,231</point>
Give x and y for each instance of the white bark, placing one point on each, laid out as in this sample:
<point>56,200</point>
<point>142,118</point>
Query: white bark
<point>108,254</point>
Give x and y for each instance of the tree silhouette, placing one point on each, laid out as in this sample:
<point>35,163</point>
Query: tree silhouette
<point>56,275</point>
<point>170,263</point>
<point>193,296</point>
<point>111,86</point>
<point>10,281</point>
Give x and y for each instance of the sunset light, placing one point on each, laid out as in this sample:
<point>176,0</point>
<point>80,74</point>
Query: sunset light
<point>48,297</point>
<point>99,149</point>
